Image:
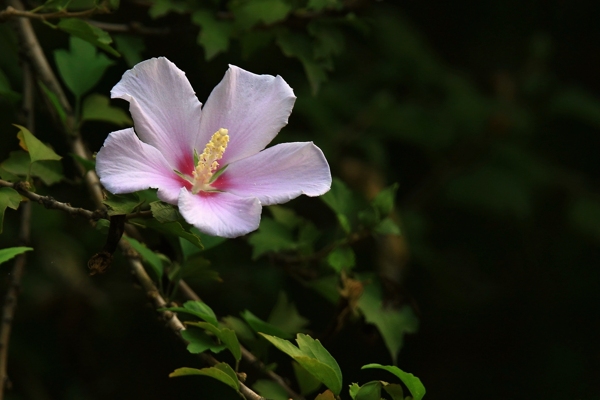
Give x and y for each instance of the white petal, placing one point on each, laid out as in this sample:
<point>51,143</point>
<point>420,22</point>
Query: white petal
<point>252,107</point>
<point>279,174</point>
<point>164,107</point>
<point>125,164</point>
<point>220,214</point>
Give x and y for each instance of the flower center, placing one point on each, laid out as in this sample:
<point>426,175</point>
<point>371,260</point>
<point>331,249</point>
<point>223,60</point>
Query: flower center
<point>207,163</point>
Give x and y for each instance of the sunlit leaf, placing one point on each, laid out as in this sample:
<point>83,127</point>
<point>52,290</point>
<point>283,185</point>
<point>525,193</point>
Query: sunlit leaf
<point>413,383</point>
<point>221,372</point>
<point>37,150</point>
<point>9,253</point>
<point>81,67</point>
<point>90,33</point>
<point>9,198</point>
<point>199,341</point>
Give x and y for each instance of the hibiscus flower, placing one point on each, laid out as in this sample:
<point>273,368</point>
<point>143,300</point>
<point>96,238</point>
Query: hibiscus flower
<point>210,161</point>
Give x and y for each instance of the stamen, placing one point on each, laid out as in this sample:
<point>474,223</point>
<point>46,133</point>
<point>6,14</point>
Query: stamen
<point>208,162</point>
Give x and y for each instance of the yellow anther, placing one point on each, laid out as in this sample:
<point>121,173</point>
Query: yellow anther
<point>208,161</point>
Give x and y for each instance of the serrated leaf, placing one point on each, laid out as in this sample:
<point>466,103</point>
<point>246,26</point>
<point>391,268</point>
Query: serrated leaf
<point>208,242</point>
<point>341,258</point>
<point>221,372</point>
<point>270,390</point>
<point>201,310</point>
<point>19,163</point>
<point>164,212</point>
<point>81,67</point>
<point>89,33</point>
<point>131,48</point>
<point>394,390</point>
<point>300,47</point>
<point>261,326</point>
<point>391,322</point>
<point>9,253</point>
<point>151,257</point>
<point>170,228</point>
<point>285,315</point>
<point>369,391</point>
<point>199,341</point>
<point>384,201</point>
<point>271,237</point>
<point>9,198</point>
<point>248,13</point>
<point>163,7</point>
<point>353,389</point>
<point>214,34</point>
<point>225,335</point>
<point>120,204</point>
<point>96,107</point>
<point>37,150</point>
<point>387,227</point>
<point>341,200</point>
<point>413,383</point>
<point>313,357</point>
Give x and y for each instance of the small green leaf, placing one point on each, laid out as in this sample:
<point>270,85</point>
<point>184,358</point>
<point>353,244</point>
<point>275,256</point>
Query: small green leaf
<point>315,349</point>
<point>271,237</point>
<point>9,198</point>
<point>369,391</point>
<point>341,200</point>
<point>413,383</point>
<point>54,5</point>
<point>90,33</point>
<point>7,254</point>
<point>261,326</point>
<point>394,390</point>
<point>285,316</point>
<point>270,390</point>
<point>214,33</point>
<point>131,48</point>
<point>387,227</point>
<point>341,258</point>
<point>153,260</point>
<point>199,341</point>
<point>225,335</point>
<point>208,242</point>
<point>60,111</point>
<point>248,13</point>
<point>221,372</point>
<point>37,150</point>
<point>81,67</point>
<point>120,204</point>
<point>241,329</point>
<point>283,345</point>
<point>353,390</point>
<point>391,322</point>
<point>88,165</point>
<point>97,108</point>
<point>164,212</point>
<point>384,201</point>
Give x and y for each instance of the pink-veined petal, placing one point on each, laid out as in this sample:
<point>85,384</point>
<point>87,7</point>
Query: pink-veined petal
<point>252,107</point>
<point>125,164</point>
<point>165,109</point>
<point>279,174</point>
<point>219,213</point>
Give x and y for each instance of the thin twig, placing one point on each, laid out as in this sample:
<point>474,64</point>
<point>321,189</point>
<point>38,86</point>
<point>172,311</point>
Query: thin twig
<point>132,27</point>
<point>12,12</point>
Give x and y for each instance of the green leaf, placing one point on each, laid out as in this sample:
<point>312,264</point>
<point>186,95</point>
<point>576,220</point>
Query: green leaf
<point>37,150</point>
<point>241,329</point>
<point>342,202</point>
<point>9,198</point>
<point>394,390</point>
<point>8,176</point>
<point>81,68</point>
<point>170,228</point>
<point>60,111</point>
<point>90,33</point>
<point>131,48</point>
<point>285,316</point>
<point>88,165</point>
<point>384,201</point>
<point>270,390</point>
<point>7,254</point>
<point>369,391</point>
<point>151,257</point>
<point>6,91</point>
<point>225,335</point>
<point>199,341</point>
<point>120,204</point>
<point>214,34</point>
<point>271,237</point>
<point>300,47</point>
<point>19,163</point>
<point>54,5</point>
<point>326,395</point>
<point>96,107</point>
<point>164,212</point>
<point>313,357</point>
<point>392,323</point>
<point>248,13</point>
<point>208,242</point>
<point>353,390</point>
<point>318,5</point>
<point>307,382</point>
<point>163,7</point>
<point>341,258</point>
<point>387,227</point>
<point>261,326</point>
<point>414,385</point>
<point>221,372</point>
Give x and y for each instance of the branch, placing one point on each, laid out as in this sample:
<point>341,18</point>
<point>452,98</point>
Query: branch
<point>132,27</point>
<point>12,12</point>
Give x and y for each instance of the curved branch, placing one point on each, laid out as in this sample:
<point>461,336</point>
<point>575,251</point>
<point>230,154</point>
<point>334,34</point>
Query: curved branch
<point>12,12</point>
